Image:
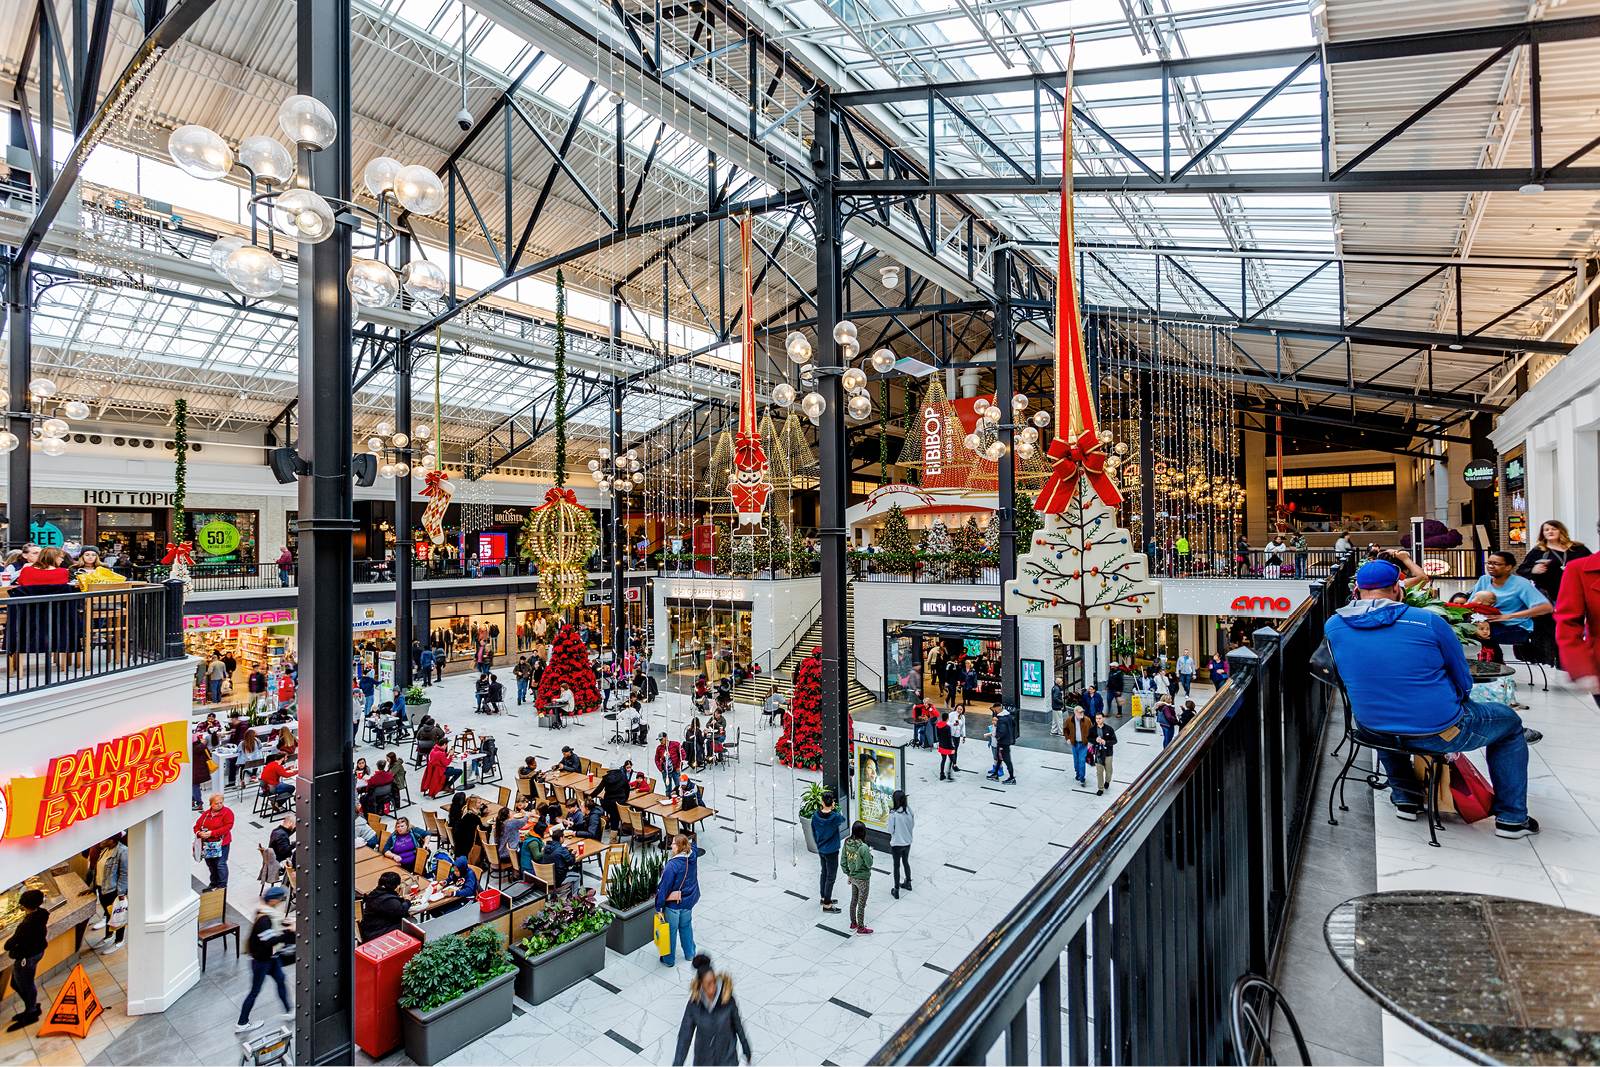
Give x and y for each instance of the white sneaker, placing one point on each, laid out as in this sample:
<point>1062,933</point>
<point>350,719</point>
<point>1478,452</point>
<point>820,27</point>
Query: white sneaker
<point>244,1027</point>
<point>98,924</point>
<point>107,947</point>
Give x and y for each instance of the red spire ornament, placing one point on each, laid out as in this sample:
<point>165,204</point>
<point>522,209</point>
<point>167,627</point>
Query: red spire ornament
<point>749,486</point>
<point>1081,566</point>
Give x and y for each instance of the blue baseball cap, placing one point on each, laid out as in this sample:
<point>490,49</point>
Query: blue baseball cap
<point>1377,574</point>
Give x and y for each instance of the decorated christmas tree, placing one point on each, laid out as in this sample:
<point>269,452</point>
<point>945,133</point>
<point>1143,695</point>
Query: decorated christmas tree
<point>938,547</point>
<point>1028,521</point>
<point>896,551</point>
<point>722,549</point>
<point>801,743</point>
<point>772,545</point>
<point>991,533</point>
<point>569,669</point>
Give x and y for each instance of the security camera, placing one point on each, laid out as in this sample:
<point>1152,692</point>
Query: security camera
<point>464,119</point>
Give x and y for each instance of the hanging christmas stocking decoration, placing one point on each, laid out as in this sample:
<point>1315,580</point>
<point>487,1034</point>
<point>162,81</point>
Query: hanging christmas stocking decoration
<point>438,490</point>
<point>749,486</point>
<point>1081,566</point>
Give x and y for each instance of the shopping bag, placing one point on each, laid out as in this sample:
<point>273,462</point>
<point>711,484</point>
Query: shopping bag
<point>119,914</point>
<point>1471,791</point>
<point>663,935</point>
<point>1443,799</point>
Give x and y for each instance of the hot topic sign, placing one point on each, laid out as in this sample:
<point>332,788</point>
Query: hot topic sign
<point>82,784</point>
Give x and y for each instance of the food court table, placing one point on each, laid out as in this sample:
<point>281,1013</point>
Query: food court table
<point>1492,979</point>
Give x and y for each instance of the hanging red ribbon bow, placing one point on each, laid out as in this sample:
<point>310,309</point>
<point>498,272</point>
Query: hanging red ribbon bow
<point>431,484</point>
<point>556,493</point>
<point>183,552</point>
<point>1081,456</point>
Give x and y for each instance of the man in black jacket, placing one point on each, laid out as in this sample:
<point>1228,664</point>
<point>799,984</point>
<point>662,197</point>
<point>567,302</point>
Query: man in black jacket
<point>569,761</point>
<point>1005,735</point>
<point>567,877</point>
<point>586,820</point>
<point>613,792</point>
<point>383,908</point>
<point>281,840</point>
<point>26,946</point>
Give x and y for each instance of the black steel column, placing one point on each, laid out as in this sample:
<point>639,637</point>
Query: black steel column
<point>325,794</point>
<point>404,552</point>
<point>19,310</point>
<point>619,529</point>
<point>833,460</point>
<point>1004,352</point>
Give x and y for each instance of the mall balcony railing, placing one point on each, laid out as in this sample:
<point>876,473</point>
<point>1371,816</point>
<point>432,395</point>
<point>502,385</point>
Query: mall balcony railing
<point>1126,950</point>
<point>56,638</point>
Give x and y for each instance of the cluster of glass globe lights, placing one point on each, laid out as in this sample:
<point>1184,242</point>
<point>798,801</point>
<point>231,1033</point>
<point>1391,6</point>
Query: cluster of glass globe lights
<point>621,474</point>
<point>858,403</point>
<point>401,453</point>
<point>985,440</point>
<point>304,216</point>
<point>50,429</point>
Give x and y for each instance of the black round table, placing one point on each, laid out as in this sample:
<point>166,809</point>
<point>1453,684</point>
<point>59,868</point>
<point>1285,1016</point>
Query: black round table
<point>1492,979</point>
<point>1484,671</point>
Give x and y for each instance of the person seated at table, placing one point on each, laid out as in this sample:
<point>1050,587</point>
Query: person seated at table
<point>639,784</point>
<point>384,726</point>
<point>645,688</point>
<point>716,736</point>
<point>480,690</point>
<point>570,763</point>
<point>701,687</point>
<point>507,832</point>
<point>586,821</point>
<point>379,793</point>
<point>365,834</point>
<point>613,792</point>
<point>1407,678</point>
<point>288,743</point>
<point>494,697</point>
<point>529,768</point>
<point>561,707</point>
<point>694,744</point>
<point>274,775</point>
<point>402,844</point>
<point>440,776</point>
<point>463,880</point>
<point>238,727</point>
<point>773,706</point>
<point>429,733</point>
<point>567,875</point>
<point>465,822</point>
<point>638,730</point>
<point>383,908</point>
<point>281,840</point>
<point>688,793</point>
<point>531,850</point>
<point>362,773</point>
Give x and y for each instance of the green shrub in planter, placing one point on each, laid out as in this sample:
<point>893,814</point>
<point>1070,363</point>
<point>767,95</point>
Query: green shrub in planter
<point>811,800</point>
<point>450,967</point>
<point>563,919</point>
<point>633,883</point>
<point>565,943</point>
<point>415,694</point>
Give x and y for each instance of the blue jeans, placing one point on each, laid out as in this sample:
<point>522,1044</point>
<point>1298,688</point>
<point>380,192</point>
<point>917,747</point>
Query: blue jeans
<point>213,690</point>
<point>680,932</point>
<point>1080,758</point>
<point>1186,680</point>
<point>371,699</point>
<point>522,690</point>
<point>1490,726</point>
<point>259,970</point>
<point>1166,734</point>
<point>218,869</point>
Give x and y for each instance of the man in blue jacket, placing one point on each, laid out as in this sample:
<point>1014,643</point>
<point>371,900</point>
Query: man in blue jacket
<point>1406,676</point>
<point>827,828</point>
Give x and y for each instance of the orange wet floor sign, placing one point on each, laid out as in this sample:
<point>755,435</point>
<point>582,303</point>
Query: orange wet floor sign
<point>75,1008</point>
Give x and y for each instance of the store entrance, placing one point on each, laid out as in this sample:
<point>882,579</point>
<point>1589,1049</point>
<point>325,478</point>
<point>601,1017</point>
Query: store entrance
<point>920,659</point>
<point>131,535</point>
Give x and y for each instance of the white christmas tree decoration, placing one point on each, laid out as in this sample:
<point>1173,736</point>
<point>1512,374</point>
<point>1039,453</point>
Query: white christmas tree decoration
<point>938,543</point>
<point>1084,568</point>
<point>991,534</point>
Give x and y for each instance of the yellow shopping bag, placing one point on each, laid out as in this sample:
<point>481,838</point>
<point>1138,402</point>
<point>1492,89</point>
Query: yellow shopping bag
<point>663,935</point>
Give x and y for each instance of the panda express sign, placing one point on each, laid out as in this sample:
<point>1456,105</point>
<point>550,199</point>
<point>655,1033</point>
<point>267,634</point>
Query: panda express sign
<point>80,785</point>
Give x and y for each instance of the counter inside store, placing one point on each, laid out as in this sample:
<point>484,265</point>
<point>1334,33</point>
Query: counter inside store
<point>72,906</point>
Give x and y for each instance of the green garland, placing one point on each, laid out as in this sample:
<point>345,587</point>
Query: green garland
<point>561,380</point>
<point>913,472</point>
<point>180,469</point>
<point>883,432</point>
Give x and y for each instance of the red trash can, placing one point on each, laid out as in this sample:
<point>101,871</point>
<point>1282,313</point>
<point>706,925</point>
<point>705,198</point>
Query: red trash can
<point>378,966</point>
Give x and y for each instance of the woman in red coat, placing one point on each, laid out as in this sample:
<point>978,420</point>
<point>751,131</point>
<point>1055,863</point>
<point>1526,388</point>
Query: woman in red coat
<point>1577,617</point>
<point>438,775</point>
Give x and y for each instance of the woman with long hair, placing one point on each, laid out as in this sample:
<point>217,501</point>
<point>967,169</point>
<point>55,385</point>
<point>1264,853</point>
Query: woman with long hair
<point>1544,566</point>
<point>711,1021</point>
<point>901,824</point>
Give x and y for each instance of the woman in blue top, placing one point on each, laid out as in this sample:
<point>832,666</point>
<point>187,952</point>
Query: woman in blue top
<point>676,895</point>
<point>463,879</point>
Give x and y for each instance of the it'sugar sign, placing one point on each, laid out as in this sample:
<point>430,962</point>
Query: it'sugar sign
<point>1081,567</point>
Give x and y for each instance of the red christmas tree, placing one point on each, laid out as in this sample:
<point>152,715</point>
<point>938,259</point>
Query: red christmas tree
<point>801,743</point>
<point>569,669</point>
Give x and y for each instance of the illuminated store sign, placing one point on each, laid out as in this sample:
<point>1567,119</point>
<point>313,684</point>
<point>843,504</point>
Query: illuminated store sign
<point>1270,604</point>
<point>235,620</point>
<point>82,784</point>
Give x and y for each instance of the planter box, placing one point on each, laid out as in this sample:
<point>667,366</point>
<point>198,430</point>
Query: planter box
<point>415,712</point>
<point>633,929</point>
<point>543,976</point>
<point>811,840</point>
<point>448,1029</point>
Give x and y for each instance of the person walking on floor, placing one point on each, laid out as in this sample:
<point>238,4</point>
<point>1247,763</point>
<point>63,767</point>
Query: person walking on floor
<point>1105,740</point>
<point>857,864</point>
<point>111,881</point>
<point>1167,719</point>
<point>214,830</point>
<point>1005,735</point>
<point>1080,730</point>
<point>827,830</point>
<point>946,745</point>
<point>901,825</point>
<point>711,1021</point>
<point>1058,705</point>
<point>676,895</point>
<point>271,929</point>
<point>26,948</point>
<point>1186,671</point>
<point>958,730</point>
<point>523,672</point>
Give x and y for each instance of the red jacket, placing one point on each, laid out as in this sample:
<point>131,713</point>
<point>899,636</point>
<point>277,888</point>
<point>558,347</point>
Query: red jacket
<point>1577,617</point>
<point>666,750</point>
<point>219,822</point>
<point>433,782</point>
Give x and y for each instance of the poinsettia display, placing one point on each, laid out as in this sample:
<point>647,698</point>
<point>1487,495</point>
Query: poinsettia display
<point>569,668</point>
<point>801,742</point>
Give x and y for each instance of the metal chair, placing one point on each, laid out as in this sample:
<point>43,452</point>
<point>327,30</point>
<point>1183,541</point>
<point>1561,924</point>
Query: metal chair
<point>1377,779</point>
<point>1249,1026</point>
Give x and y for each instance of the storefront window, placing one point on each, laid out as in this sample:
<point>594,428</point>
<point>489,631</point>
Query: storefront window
<point>132,535</point>
<point>224,538</point>
<point>458,628</point>
<point>709,637</point>
<point>53,527</point>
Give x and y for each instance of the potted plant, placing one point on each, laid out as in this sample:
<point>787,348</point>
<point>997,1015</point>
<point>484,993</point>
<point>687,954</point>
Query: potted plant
<point>453,992</point>
<point>631,900</point>
<point>564,943</point>
<point>810,804</point>
<point>417,701</point>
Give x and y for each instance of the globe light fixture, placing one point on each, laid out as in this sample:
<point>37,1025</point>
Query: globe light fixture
<point>307,122</point>
<point>422,431</point>
<point>253,271</point>
<point>75,409</point>
<point>200,152</point>
<point>424,281</point>
<point>375,444</point>
<point>859,406</point>
<point>1041,418</point>
<point>980,406</point>
<point>813,405</point>
<point>853,379</point>
<point>221,249</point>
<point>8,441</point>
<point>783,394</point>
<point>379,174</point>
<point>419,190</point>
<point>267,159</point>
<point>844,332</point>
<point>55,428</point>
<point>1019,402</point>
<point>883,361</point>
<point>39,388</point>
<point>372,284</point>
<point>52,446</point>
<point>399,440</point>
<point>303,216</point>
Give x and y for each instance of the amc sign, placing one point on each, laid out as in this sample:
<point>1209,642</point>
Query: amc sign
<point>1262,605</point>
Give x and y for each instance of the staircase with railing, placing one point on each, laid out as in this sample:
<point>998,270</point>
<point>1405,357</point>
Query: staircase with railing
<point>780,678</point>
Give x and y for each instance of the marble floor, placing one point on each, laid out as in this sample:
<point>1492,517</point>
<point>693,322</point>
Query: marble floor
<point>810,992</point>
<point>1561,865</point>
